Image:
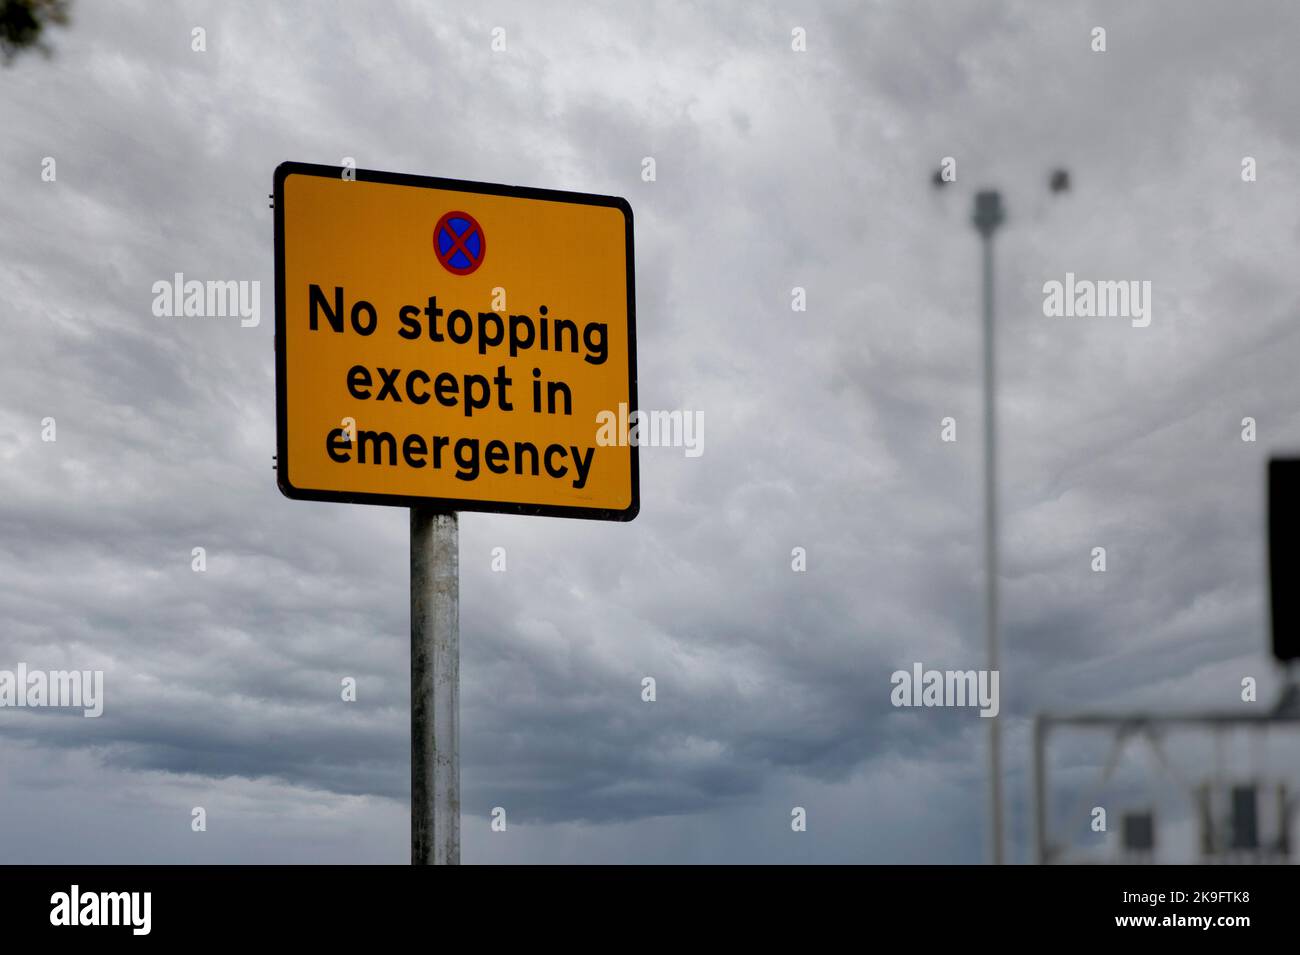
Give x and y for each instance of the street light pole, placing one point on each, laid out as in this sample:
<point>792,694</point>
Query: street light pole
<point>987,217</point>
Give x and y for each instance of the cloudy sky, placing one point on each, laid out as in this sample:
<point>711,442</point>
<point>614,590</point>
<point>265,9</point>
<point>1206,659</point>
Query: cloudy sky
<point>775,169</point>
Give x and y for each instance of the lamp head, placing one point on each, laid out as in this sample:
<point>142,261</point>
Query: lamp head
<point>988,211</point>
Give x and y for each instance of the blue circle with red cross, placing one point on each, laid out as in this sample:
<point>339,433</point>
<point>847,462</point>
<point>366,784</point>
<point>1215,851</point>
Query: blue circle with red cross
<point>459,243</point>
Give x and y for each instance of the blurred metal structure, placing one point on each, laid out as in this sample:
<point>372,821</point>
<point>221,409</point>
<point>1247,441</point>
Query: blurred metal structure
<point>1228,811</point>
<point>1232,826</point>
<point>1138,832</point>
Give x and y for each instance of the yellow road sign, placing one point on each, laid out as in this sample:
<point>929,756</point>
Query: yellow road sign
<point>453,343</point>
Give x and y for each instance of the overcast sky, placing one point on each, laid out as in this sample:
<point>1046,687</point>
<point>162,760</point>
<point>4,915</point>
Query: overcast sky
<point>775,169</point>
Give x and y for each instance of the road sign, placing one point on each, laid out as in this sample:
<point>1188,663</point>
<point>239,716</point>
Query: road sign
<point>459,242</point>
<point>452,344</point>
<point>1284,555</point>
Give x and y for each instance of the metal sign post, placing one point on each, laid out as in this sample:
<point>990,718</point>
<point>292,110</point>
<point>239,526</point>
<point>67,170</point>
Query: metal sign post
<point>435,687</point>
<point>403,378</point>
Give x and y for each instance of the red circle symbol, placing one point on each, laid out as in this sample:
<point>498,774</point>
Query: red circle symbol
<point>459,243</point>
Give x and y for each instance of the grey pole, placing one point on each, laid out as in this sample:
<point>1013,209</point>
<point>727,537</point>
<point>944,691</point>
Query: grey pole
<point>987,217</point>
<point>1040,789</point>
<point>435,687</point>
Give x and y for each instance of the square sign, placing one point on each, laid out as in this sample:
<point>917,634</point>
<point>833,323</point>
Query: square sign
<point>459,344</point>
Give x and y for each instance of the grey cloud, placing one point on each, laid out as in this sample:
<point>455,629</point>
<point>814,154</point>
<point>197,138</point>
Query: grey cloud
<point>775,170</point>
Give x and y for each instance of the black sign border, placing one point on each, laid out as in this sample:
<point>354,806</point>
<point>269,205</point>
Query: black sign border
<point>287,169</point>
